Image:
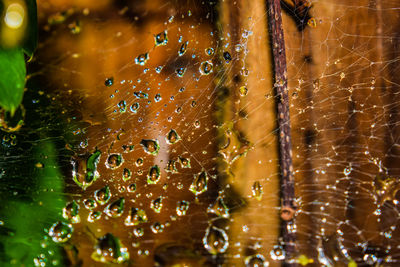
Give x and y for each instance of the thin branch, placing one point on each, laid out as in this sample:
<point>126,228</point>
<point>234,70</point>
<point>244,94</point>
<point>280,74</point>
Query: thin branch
<point>285,146</point>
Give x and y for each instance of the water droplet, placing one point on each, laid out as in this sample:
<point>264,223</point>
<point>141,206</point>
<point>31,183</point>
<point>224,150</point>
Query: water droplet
<point>142,59</point>
<point>227,56</point>
<point>257,190</point>
<point>257,260</point>
<point>161,38</point>
<point>316,85</point>
<point>84,143</point>
<point>312,22</point>
<point>182,49</point>
<point>128,148</point>
<point>84,172</point>
<point>181,207</point>
<point>347,171</point>
<point>157,227</point>
<point>138,232</point>
<point>121,188</point>
<point>206,68</point>
<point>159,69</point>
<point>122,106</point>
<point>136,217</point>
<point>388,234</point>
<point>279,83</point>
<point>109,249</point>
<point>142,252</point>
<point>109,81</point>
<point>215,240</point>
<point>40,261</point>
<point>180,71</point>
<point>126,174</point>
<point>199,184</point>
<point>140,95</point>
<point>90,204</point>
<point>238,47</point>
<point>243,91</point>
<point>11,140</point>
<point>71,212</point>
<point>102,195</point>
<point>157,205</point>
<point>377,212</point>
<point>184,162</point>
<point>171,167</point>
<point>157,98</point>
<point>60,232</point>
<point>385,188</point>
<point>370,259</point>
<point>277,253</point>
<point>94,216</point>
<point>131,188</point>
<point>154,175</point>
<point>75,27</point>
<point>172,137</point>
<point>134,107</point>
<point>114,161</point>
<point>219,208</point>
<point>139,162</point>
<point>116,208</point>
<point>150,146</point>
<point>210,51</point>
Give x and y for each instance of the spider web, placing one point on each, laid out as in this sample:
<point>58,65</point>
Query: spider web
<point>170,106</point>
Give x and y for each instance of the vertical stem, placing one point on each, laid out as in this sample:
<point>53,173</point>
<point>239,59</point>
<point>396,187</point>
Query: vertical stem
<point>285,146</point>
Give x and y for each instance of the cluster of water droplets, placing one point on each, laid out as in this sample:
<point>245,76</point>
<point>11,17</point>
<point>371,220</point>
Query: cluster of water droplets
<point>120,180</point>
<point>127,181</point>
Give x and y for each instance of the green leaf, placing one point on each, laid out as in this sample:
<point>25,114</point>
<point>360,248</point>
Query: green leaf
<point>31,38</point>
<point>27,220</point>
<point>12,78</point>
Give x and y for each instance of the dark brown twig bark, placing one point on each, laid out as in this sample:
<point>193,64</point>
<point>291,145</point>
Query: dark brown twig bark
<point>285,147</point>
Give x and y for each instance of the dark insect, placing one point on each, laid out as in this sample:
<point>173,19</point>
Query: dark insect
<point>298,10</point>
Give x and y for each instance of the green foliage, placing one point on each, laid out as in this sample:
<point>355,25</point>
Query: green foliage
<point>32,198</point>
<point>12,78</point>
<point>26,220</point>
<point>12,63</point>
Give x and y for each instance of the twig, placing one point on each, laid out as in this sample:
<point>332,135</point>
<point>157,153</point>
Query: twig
<point>285,146</point>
